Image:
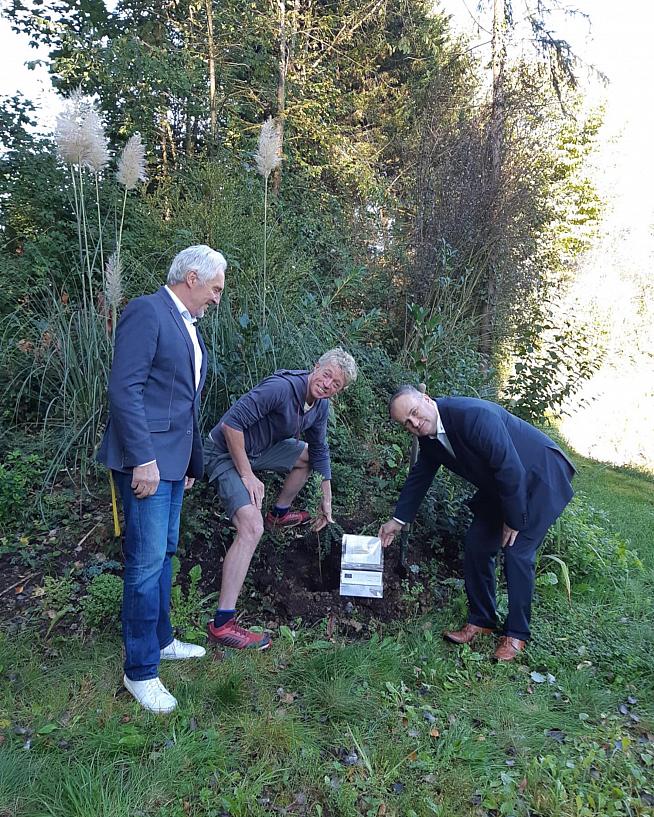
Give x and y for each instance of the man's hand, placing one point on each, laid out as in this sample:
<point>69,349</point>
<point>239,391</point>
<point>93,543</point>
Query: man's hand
<point>508,535</point>
<point>324,515</point>
<point>387,532</point>
<point>145,480</point>
<point>255,488</point>
<point>189,482</point>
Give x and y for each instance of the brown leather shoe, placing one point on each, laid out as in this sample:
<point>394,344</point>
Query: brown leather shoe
<point>466,635</point>
<point>508,648</point>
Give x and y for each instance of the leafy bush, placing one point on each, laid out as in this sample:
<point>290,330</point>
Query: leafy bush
<point>583,540</point>
<point>553,361</point>
<point>19,474</point>
<point>444,511</point>
<point>102,603</point>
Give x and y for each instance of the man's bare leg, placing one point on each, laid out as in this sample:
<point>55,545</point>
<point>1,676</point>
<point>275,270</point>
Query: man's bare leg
<point>249,529</point>
<point>295,480</point>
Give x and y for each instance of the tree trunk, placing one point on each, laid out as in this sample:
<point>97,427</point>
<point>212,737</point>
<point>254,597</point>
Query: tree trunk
<point>211,59</point>
<point>496,138</point>
<point>281,90</point>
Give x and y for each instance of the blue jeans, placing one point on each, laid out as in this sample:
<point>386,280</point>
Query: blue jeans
<point>151,535</point>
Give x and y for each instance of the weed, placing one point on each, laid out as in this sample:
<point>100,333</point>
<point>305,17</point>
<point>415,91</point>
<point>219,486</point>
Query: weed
<point>103,600</point>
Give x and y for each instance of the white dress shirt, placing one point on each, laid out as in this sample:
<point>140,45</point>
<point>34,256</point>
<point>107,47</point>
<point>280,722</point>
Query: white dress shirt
<point>189,322</point>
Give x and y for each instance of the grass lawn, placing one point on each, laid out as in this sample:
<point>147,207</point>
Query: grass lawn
<point>402,724</point>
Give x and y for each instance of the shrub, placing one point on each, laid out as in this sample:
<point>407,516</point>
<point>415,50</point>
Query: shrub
<point>583,540</point>
<point>18,475</point>
<point>102,603</point>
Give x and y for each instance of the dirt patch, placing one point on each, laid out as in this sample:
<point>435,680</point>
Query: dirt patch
<point>293,576</point>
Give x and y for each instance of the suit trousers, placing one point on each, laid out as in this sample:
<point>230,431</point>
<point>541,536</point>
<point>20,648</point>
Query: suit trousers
<point>151,536</point>
<point>482,545</point>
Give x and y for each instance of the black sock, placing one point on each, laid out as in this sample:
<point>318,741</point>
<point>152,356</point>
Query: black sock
<point>222,617</point>
<point>279,510</point>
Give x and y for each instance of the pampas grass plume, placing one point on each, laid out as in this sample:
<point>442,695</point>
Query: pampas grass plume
<point>131,165</point>
<point>114,281</point>
<point>269,150</point>
<point>79,134</point>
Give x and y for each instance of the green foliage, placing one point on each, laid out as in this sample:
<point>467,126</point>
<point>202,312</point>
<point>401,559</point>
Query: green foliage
<point>103,600</point>
<point>20,475</point>
<point>59,593</point>
<point>444,511</point>
<point>552,362</point>
<point>583,540</point>
<point>56,360</point>
<point>188,609</point>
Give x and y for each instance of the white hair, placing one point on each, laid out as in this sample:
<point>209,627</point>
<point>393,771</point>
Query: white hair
<point>345,362</point>
<point>207,263</point>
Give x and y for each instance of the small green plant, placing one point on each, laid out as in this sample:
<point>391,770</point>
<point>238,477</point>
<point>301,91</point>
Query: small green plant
<point>102,603</point>
<point>18,475</point>
<point>412,595</point>
<point>188,609</point>
<point>59,592</point>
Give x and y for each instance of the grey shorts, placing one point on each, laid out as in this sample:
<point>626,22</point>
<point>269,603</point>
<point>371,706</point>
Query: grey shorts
<point>220,470</point>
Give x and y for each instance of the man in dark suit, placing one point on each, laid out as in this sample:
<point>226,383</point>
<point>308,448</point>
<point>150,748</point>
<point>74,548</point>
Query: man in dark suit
<point>153,446</point>
<point>524,483</point>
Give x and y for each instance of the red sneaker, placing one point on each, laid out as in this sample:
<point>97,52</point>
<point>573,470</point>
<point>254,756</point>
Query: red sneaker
<point>291,519</point>
<point>238,638</point>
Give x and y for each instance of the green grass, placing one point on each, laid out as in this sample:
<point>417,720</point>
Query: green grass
<point>402,724</point>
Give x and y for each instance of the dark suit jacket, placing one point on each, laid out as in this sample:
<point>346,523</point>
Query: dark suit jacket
<point>514,465</point>
<point>153,403</point>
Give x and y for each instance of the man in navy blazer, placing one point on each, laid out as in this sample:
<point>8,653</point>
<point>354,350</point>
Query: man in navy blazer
<point>524,483</point>
<point>153,446</point>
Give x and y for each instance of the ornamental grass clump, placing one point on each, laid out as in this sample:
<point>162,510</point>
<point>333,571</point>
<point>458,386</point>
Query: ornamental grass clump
<point>268,157</point>
<point>59,352</point>
<point>82,145</point>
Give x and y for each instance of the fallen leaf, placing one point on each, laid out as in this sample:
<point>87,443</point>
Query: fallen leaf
<point>434,733</point>
<point>412,756</point>
<point>522,785</point>
<point>381,811</point>
<point>556,734</point>
<point>18,590</point>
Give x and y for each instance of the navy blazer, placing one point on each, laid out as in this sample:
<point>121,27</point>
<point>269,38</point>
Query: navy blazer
<point>153,403</point>
<point>514,465</point>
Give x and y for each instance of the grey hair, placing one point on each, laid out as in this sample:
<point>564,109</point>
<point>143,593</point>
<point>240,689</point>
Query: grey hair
<point>406,389</point>
<point>207,263</point>
<point>345,362</point>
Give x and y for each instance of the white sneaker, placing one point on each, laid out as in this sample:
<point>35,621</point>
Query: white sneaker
<point>151,694</point>
<point>178,650</point>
